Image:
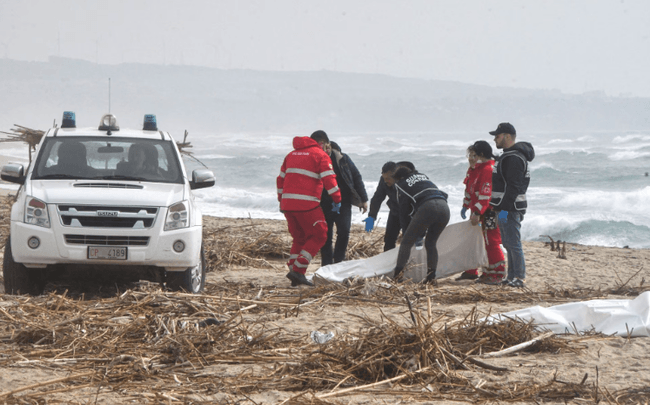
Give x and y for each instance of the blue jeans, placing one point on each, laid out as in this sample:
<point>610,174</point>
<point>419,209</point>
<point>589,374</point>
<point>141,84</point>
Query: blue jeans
<point>343,221</point>
<point>511,240</point>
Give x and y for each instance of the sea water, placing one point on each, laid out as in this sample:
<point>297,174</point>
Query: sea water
<point>589,188</point>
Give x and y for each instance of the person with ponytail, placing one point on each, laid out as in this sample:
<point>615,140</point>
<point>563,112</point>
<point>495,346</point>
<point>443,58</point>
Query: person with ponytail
<point>423,211</point>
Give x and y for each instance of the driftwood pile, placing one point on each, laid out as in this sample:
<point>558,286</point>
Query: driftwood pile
<point>556,246</point>
<point>31,137</point>
<point>5,218</point>
<point>247,245</point>
<point>184,147</point>
<point>139,344</point>
<point>149,346</point>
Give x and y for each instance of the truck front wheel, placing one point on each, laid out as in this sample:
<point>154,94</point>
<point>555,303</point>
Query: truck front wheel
<point>191,280</point>
<point>20,279</point>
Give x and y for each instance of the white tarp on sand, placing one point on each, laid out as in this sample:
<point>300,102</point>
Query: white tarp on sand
<point>460,247</point>
<point>611,317</point>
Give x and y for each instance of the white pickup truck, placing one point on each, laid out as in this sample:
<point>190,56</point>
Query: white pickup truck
<point>105,199</point>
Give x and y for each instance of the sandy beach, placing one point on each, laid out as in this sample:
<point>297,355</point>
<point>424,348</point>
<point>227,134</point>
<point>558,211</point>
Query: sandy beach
<point>80,343</point>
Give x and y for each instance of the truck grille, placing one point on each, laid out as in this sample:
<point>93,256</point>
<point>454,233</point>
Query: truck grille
<point>99,216</point>
<point>107,240</point>
<point>108,185</point>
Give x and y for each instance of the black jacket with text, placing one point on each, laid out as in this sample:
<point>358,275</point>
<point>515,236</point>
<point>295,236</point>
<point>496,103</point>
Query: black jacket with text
<point>412,191</point>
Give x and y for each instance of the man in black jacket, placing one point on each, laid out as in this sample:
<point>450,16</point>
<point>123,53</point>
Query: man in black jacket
<point>385,188</point>
<point>353,192</point>
<point>510,179</point>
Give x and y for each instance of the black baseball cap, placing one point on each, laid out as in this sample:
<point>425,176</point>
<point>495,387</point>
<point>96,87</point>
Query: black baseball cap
<point>504,128</point>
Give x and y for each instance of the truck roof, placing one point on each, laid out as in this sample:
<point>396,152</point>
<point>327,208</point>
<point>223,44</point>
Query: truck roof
<point>108,127</point>
<point>121,133</point>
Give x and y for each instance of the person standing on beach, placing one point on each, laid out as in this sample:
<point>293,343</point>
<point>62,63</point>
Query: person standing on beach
<point>471,158</point>
<point>478,192</point>
<point>353,192</point>
<point>510,180</point>
<point>423,209</point>
<point>303,175</point>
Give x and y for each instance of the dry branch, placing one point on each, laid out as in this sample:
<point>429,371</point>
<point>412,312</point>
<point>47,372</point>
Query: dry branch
<point>32,137</point>
<point>519,347</point>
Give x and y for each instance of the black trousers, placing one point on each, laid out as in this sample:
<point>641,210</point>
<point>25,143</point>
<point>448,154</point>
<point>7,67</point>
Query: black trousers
<point>343,222</point>
<point>392,231</point>
<point>432,217</point>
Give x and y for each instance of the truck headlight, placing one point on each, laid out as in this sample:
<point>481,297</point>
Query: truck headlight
<point>178,216</point>
<point>36,213</point>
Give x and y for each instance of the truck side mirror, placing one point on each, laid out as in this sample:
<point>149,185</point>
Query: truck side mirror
<point>13,173</point>
<point>202,178</point>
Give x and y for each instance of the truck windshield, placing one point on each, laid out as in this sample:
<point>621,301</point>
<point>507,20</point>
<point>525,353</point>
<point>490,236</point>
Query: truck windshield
<point>115,159</point>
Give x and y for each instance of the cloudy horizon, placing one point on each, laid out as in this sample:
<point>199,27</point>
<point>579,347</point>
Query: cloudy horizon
<point>572,46</point>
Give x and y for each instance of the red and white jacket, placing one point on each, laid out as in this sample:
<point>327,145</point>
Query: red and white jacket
<point>478,187</point>
<point>304,173</point>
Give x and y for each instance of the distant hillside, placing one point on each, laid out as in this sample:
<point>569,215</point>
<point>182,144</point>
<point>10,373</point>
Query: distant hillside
<point>213,100</point>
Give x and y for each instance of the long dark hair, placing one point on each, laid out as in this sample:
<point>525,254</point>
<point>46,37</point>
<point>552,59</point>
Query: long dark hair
<point>482,149</point>
<point>402,173</point>
<point>406,163</point>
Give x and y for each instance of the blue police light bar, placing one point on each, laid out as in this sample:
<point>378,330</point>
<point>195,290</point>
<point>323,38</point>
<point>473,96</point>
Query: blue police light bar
<point>150,123</point>
<point>69,120</point>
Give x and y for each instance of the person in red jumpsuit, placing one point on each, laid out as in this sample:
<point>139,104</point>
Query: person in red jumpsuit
<point>304,173</point>
<point>478,191</point>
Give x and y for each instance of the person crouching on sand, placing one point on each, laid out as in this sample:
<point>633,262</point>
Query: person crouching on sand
<point>423,209</point>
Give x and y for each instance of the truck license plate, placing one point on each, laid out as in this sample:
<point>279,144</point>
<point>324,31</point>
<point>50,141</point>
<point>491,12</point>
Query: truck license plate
<point>107,252</point>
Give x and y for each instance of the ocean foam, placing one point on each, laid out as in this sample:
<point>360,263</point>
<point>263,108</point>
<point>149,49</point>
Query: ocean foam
<point>631,137</point>
<point>589,189</point>
<point>628,155</point>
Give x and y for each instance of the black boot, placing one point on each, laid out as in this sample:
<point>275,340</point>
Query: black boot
<point>431,278</point>
<point>298,278</point>
<point>293,283</point>
<point>398,273</point>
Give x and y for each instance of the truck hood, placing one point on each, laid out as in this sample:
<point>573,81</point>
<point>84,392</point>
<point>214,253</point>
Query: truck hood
<point>107,193</point>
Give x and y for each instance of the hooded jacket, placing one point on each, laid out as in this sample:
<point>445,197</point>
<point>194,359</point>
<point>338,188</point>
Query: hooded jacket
<point>350,182</point>
<point>412,191</point>
<point>303,174</point>
<point>511,177</point>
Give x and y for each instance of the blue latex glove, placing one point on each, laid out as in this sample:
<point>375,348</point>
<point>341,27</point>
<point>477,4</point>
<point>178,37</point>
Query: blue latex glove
<point>336,207</point>
<point>370,223</point>
<point>503,216</point>
<point>462,213</point>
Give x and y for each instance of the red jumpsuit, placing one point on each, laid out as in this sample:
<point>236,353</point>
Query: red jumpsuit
<point>300,184</point>
<point>478,191</point>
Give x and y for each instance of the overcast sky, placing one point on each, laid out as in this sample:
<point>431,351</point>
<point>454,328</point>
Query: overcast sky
<point>571,45</point>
